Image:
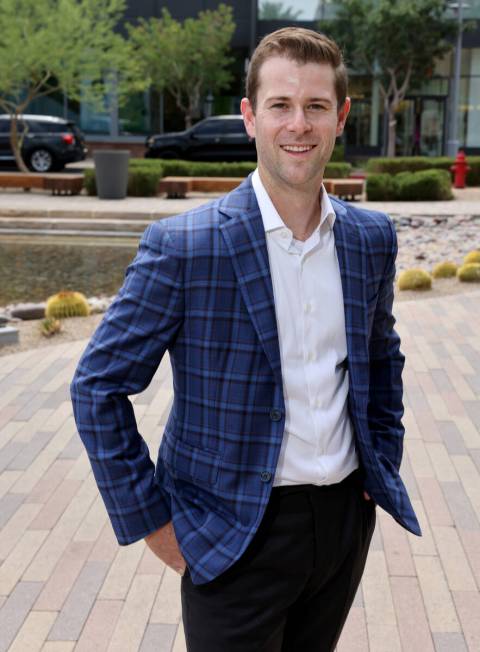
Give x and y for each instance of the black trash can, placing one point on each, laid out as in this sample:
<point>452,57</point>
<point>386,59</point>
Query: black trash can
<point>111,172</point>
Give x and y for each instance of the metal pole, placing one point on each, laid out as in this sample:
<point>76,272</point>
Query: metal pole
<point>453,142</point>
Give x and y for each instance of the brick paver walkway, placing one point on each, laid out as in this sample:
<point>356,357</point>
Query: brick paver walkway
<point>66,585</point>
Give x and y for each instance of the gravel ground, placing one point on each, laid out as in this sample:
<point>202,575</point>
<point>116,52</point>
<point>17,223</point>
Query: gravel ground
<point>79,328</point>
<point>422,242</point>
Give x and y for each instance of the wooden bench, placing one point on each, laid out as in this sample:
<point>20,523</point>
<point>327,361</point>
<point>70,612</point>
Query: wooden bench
<point>59,184</point>
<point>177,187</point>
<point>344,188</point>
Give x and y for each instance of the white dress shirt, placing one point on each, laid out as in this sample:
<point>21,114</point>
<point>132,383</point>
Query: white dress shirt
<point>318,444</point>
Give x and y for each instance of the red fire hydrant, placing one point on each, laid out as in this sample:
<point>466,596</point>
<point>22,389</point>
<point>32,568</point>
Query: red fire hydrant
<point>460,169</point>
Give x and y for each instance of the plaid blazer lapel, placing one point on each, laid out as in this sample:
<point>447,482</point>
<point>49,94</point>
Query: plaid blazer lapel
<point>244,236</point>
<point>351,254</point>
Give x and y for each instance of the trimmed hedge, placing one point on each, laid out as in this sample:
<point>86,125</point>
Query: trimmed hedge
<point>144,173</point>
<point>426,185</point>
<point>178,168</point>
<point>417,163</point>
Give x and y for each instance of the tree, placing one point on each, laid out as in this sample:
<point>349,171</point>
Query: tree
<point>48,46</point>
<point>188,59</point>
<point>397,42</point>
<point>276,11</point>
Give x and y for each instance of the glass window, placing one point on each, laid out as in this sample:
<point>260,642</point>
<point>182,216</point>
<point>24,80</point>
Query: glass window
<point>234,127</point>
<point>4,126</point>
<point>296,10</point>
<point>207,128</point>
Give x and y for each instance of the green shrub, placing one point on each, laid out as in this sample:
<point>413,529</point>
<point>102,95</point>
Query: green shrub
<point>424,185</point>
<point>89,182</point>
<point>380,187</point>
<point>337,170</point>
<point>50,326</point>
<point>417,163</point>
<point>469,273</point>
<point>178,168</point>
<point>67,304</point>
<point>472,257</point>
<point>143,182</point>
<point>446,269</point>
<point>414,279</point>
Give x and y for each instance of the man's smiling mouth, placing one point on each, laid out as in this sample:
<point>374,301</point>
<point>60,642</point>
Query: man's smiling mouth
<point>297,148</point>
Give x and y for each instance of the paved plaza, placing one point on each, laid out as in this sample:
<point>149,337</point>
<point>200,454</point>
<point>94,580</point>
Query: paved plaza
<point>66,585</point>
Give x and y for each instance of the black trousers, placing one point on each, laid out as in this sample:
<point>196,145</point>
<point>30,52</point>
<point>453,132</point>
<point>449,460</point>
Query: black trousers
<point>293,587</point>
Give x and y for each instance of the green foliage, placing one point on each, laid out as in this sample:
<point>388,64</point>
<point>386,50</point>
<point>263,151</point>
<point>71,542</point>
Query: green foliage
<point>396,42</point>
<point>417,163</point>
<point>67,304</point>
<point>48,46</point>
<point>338,154</point>
<point>189,59</point>
<point>410,186</point>
<point>424,185</point>
<point>380,187</point>
<point>469,273</point>
<point>446,269</point>
<point>143,182</point>
<point>414,279</point>
<point>269,10</point>
<point>50,326</point>
<point>472,257</point>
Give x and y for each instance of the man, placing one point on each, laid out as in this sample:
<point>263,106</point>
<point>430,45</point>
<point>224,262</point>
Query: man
<point>274,303</point>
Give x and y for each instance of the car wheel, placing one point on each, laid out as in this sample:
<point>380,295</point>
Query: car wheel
<point>41,160</point>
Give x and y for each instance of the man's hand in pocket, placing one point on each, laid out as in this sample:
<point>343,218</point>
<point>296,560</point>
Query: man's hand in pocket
<point>163,543</point>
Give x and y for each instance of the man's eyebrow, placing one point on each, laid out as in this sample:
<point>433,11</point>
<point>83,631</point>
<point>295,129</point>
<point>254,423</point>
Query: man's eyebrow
<point>285,98</point>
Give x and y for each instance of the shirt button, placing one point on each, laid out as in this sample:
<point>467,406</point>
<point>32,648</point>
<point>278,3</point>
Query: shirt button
<point>284,234</point>
<point>275,414</point>
<point>265,476</point>
<point>306,307</point>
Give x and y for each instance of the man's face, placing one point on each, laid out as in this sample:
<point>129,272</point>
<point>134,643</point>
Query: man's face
<point>295,123</point>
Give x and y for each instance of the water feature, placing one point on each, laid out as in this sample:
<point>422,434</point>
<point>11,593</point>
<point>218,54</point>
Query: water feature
<point>34,267</point>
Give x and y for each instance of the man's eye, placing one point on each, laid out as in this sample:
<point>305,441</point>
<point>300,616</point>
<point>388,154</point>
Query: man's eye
<point>279,105</point>
<point>317,107</point>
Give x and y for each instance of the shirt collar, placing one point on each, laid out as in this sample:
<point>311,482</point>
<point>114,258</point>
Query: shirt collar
<point>271,218</point>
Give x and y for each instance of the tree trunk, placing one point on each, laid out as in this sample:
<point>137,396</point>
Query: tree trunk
<point>16,144</point>
<point>188,120</point>
<point>392,132</point>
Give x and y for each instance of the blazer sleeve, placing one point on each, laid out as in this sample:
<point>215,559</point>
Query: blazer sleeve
<point>120,360</point>
<point>385,406</point>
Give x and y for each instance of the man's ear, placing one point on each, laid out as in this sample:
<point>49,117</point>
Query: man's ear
<point>342,116</point>
<point>248,116</point>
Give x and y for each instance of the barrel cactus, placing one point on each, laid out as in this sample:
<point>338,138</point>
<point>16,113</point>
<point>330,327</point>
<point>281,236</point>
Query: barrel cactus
<point>444,270</point>
<point>472,257</point>
<point>414,279</point>
<point>469,273</point>
<point>67,304</point>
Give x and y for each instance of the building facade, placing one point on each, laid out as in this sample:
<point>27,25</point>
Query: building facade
<point>422,119</point>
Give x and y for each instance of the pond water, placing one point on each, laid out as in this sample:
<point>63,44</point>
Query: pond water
<point>33,268</point>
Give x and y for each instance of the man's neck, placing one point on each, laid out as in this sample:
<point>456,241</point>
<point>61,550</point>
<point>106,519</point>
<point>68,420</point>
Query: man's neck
<point>300,209</point>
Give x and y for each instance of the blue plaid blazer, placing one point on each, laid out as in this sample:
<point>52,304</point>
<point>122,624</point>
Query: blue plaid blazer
<point>200,287</point>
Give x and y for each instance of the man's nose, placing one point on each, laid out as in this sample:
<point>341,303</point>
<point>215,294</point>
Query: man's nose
<point>299,122</point>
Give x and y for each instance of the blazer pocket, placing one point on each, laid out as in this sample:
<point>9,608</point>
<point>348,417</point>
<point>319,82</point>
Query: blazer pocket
<point>187,462</point>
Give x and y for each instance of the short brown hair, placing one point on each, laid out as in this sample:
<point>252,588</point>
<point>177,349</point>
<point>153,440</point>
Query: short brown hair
<point>303,46</point>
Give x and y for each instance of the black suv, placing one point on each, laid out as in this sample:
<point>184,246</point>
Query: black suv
<point>220,138</point>
<point>49,142</point>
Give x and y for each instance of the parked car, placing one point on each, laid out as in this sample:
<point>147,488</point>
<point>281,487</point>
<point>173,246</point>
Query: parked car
<point>49,143</point>
<point>219,138</point>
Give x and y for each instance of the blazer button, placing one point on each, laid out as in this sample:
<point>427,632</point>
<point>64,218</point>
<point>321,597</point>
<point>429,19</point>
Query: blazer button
<point>275,414</point>
<point>265,476</point>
